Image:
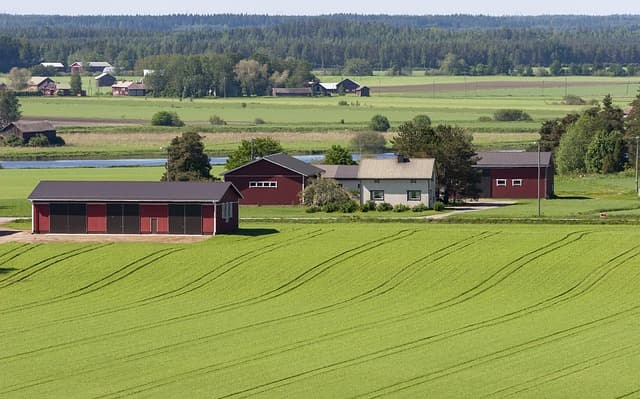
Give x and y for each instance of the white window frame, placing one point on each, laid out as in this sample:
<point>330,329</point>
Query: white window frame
<point>410,198</point>
<point>263,184</point>
<point>501,182</point>
<point>516,182</point>
<point>373,196</point>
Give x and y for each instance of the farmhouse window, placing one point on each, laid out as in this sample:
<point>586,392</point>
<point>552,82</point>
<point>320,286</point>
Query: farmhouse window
<point>263,184</point>
<point>414,195</point>
<point>516,182</point>
<point>377,195</point>
<point>376,180</point>
<point>413,181</point>
<point>501,182</point>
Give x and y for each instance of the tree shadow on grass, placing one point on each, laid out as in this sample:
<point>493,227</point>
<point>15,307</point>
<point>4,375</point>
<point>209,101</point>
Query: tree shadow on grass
<point>571,197</point>
<point>255,232</point>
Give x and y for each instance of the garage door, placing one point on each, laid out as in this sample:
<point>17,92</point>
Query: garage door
<point>185,219</point>
<point>123,219</point>
<point>68,218</point>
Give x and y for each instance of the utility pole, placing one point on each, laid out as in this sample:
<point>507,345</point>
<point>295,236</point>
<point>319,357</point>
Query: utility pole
<point>539,211</point>
<point>637,192</point>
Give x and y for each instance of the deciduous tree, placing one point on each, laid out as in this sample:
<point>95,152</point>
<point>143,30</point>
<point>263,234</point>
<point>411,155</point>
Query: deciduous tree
<point>338,155</point>
<point>186,159</point>
<point>19,78</point>
<point>9,108</point>
<point>252,149</point>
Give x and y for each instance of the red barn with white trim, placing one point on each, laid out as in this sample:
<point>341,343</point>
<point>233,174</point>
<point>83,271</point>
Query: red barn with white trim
<point>135,207</point>
<point>514,174</point>
<point>275,179</point>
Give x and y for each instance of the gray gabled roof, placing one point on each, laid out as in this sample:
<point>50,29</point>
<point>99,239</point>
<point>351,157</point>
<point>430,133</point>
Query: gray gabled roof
<point>287,162</point>
<point>512,159</point>
<point>339,172</point>
<point>131,191</point>
<point>31,127</point>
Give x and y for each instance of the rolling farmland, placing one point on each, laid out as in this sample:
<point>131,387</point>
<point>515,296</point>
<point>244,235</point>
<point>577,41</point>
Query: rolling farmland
<point>327,310</point>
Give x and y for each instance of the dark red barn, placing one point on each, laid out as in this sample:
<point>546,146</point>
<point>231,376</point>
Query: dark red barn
<point>134,207</point>
<point>514,174</point>
<point>275,179</point>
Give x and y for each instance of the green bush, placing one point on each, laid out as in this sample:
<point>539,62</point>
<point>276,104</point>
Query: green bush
<point>166,118</point>
<point>343,103</point>
<point>312,209</point>
<point>39,140</point>
<point>349,206</point>
<point>217,121</point>
<point>384,207</point>
<point>369,206</point>
<point>438,206</point>
<point>572,99</point>
<point>420,208</point>
<point>13,141</point>
<point>259,121</point>
<point>511,115</point>
<point>379,123</point>
<point>485,119</point>
<point>400,208</point>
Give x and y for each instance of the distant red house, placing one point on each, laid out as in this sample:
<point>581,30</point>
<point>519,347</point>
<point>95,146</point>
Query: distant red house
<point>275,179</point>
<point>509,174</point>
<point>80,207</point>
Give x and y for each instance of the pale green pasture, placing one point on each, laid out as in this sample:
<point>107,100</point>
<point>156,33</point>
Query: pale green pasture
<point>339,310</point>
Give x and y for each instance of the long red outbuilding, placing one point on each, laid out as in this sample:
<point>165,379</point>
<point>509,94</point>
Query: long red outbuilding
<point>90,207</point>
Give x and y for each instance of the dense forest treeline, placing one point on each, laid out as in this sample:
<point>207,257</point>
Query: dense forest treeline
<point>477,44</point>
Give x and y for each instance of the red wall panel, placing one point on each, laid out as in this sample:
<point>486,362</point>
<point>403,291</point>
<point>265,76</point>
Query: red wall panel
<point>158,212</point>
<point>208,219</point>
<point>227,226</point>
<point>529,187</point>
<point>96,218</point>
<point>41,218</point>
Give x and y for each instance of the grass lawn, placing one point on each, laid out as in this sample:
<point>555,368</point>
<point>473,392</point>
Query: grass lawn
<point>334,310</point>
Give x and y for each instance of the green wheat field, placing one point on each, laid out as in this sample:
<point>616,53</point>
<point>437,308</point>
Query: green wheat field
<point>327,311</point>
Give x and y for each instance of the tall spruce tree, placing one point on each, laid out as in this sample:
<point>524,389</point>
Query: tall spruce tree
<point>9,108</point>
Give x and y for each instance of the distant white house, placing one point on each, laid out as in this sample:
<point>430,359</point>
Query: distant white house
<point>58,66</point>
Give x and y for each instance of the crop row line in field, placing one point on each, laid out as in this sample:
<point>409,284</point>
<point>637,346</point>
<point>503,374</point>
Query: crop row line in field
<point>119,274</point>
<point>502,353</point>
<point>155,298</point>
<point>574,368</point>
<point>44,264</point>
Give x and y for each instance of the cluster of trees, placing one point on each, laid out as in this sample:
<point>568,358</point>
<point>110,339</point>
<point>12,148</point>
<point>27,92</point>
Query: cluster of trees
<point>599,140</point>
<point>357,44</point>
<point>225,75</point>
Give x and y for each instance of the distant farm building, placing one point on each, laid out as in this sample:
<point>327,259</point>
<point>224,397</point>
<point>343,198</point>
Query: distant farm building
<point>43,84</point>
<point>93,66</point>
<point>345,86</point>
<point>275,179</point>
<point>58,66</point>
<point>75,207</point>
<point>128,88</point>
<point>105,80</point>
<point>363,91</point>
<point>27,130</point>
<point>63,89</point>
<point>511,174</point>
<point>291,92</point>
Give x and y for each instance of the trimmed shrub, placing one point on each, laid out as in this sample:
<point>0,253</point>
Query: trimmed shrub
<point>420,208</point>
<point>384,207</point>
<point>369,206</point>
<point>348,206</point>
<point>400,208</point>
<point>259,121</point>
<point>438,206</point>
<point>511,115</point>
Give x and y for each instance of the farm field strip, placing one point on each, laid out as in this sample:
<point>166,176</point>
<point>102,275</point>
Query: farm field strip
<point>425,304</point>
